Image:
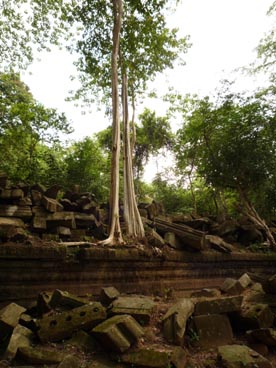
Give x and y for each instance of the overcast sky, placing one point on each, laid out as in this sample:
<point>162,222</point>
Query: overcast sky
<point>223,34</point>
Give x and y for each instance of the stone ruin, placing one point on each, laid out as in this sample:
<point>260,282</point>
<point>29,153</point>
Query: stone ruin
<point>230,327</point>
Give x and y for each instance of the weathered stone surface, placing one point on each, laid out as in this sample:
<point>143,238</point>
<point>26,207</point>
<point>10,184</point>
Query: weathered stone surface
<point>43,302</point>
<point>64,299</point>
<point>217,243</point>
<point>139,307</point>
<point>9,317</point>
<point>6,222</point>
<point>174,321</point>
<point>108,295</point>
<point>39,223</point>
<point>70,361</point>
<point>21,337</point>
<point>219,305</point>
<point>172,240</point>
<point>153,358</point>
<point>39,355</point>
<point>84,221</point>
<point>240,356</point>
<point>61,218</point>
<point>36,196</point>
<point>118,333</point>
<point>205,293</point>
<point>264,335</point>
<point>83,341</point>
<point>254,316</point>
<point>212,330</point>
<point>154,238</point>
<point>51,205</point>
<point>245,280</point>
<point>232,287</point>
<point>23,212</point>
<point>60,326</point>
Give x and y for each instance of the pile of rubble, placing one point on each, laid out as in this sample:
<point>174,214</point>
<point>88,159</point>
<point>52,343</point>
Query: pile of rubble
<point>228,328</point>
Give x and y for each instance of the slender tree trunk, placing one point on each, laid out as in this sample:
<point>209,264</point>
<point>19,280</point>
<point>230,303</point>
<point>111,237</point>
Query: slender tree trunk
<point>253,215</point>
<point>115,234</point>
<point>134,225</point>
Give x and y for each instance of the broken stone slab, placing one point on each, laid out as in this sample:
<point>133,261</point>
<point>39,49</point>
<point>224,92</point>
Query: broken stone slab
<point>61,326</point>
<point>21,337</point>
<point>63,231</point>
<point>219,305</point>
<point>7,222</point>
<point>43,302</point>
<point>172,240</point>
<point>64,299</point>
<point>9,317</point>
<point>211,330</point>
<point>108,295</point>
<point>70,361</point>
<point>245,281</point>
<point>36,197</point>
<point>118,333</point>
<point>51,205</point>
<point>264,335</point>
<point>174,321</point>
<point>84,221</point>
<point>23,212</point>
<point>154,358</point>
<point>236,356</point>
<point>83,341</point>
<point>39,355</point>
<point>232,287</point>
<point>217,243</point>
<point>61,218</point>
<point>255,316</point>
<point>139,307</point>
<point>205,293</point>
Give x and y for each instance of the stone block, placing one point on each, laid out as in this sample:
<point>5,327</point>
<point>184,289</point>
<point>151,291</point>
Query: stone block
<point>254,316</point>
<point>175,320</point>
<point>43,302</point>
<point>266,336</point>
<point>70,361</point>
<point>84,221</point>
<point>245,281</point>
<point>64,299</point>
<point>21,337</point>
<point>219,305</point>
<point>61,218</point>
<point>83,341</point>
<point>118,333</point>
<point>39,355</point>
<point>23,212</point>
<point>205,293</point>
<point>51,205</point>
<point>171,239</point>
<point>39,223</point>
<point>9,317</point>
<point>60,326</point>
<point>232,287</point>
<point>212,330</point>
<point>36,197</point>
<point>108,295</point>
<point>139,307</point>
<point>7,222</point>
<point>154,358</point>
<point>236,356</point>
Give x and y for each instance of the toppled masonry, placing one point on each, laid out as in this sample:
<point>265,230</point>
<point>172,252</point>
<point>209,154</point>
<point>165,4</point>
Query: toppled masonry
<point>216,328</point>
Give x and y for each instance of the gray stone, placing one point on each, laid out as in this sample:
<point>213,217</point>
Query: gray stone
<point>219,305</point>
<point>172,240</point>
<point>254,316</point>
<point>21,337</point>
<point>118,333</point>
<point>205,293</point>
<point>240,356</point>
<point>39,355</point>
<point>212,330</point>
<point>70,361</point>
<point>108,295</point>
<point>60,326</point>
<point>65,299</point>
<point>154,358</point>
<point>83,341</point>
<point>139,307</point>
<point>232,287</point>
<point>174,321</point>
<point>9,317</point>
<point>245,281</point>
<point>264,335</point>
<point>43,302</point>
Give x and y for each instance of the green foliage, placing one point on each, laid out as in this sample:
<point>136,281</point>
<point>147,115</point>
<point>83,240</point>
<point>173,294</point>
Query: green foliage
<point>87,166</point>
<point>26,126</point>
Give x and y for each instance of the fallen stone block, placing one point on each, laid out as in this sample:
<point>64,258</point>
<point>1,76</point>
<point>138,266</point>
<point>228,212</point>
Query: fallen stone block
<point>21,337</point>
<point>39,355</point>
<point>139,307</point>
<point>61,218</point>
<point>263,335</point>
<point>8,222</point>
<point>211,331</point>
<point>219,305</point>
<point>83,341</point>
<point>23,212</point>
<point>84,221</point>
<point>217,243</point>
<point>64,299</point>
<point>60,326</point>
<point>235,356</point>
<point>9,317</point>
<point>108,295</point>
<point>254,316</point>
<point>174,321</point>
<point>232,287</point>
<point>245,281</point>
<point>43,302</point>
<point>118,333</point>
<point>51,205</point>
<point>154,358</point>
<point>172,240</point>
<point>205,293</point>
<point>70,361</point>
<point>39,223</point>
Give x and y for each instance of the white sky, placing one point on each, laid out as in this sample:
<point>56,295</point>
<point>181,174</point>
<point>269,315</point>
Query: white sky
<point>223,34</point>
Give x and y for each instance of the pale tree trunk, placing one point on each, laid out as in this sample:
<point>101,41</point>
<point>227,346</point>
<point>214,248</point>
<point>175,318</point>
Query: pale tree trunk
<point>253,215</point>
<point>134,225</point>
<point>115,234</point>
